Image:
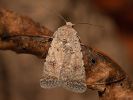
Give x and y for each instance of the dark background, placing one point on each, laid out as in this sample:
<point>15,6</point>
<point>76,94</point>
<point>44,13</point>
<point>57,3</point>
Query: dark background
<point>20,74</point>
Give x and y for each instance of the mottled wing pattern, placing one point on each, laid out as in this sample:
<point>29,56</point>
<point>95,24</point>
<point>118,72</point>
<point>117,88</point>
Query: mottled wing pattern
<point>64,64</point>
<point>73,71</point>
<point>53,64</point>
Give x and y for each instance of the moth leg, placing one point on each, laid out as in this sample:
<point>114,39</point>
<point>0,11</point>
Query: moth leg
<point>79,39</point>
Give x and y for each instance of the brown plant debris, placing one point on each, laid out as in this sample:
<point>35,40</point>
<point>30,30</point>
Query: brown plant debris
<point>23,35</point>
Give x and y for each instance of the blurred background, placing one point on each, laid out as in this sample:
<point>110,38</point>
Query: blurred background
<point>20,74</point>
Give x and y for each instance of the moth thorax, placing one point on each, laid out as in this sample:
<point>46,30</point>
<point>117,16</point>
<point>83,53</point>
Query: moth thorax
<point>69,23</point>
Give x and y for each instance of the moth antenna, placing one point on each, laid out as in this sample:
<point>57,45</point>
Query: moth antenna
<point>56,13</point>
<point>90,24</point>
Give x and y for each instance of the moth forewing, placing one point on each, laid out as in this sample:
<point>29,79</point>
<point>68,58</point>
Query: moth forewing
<point>51,69</point>
<point>64,62</point>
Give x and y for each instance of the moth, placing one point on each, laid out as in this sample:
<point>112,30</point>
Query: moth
<point>64,64</point>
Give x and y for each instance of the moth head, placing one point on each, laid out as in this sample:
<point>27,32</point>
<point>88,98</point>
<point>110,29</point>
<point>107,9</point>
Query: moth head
<point>69,23</point>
